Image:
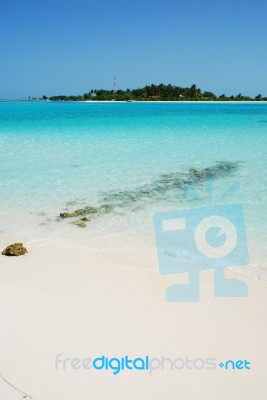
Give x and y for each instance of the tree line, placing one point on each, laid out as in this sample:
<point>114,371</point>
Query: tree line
<point>155,93</point>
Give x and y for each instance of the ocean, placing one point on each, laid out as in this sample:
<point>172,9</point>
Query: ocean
<point>128,161</point>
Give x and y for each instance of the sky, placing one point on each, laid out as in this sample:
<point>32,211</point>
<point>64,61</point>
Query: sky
<point>52,47</point>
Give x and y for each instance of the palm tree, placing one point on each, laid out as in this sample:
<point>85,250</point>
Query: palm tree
<point>194,92</point>
<point>259,97</point>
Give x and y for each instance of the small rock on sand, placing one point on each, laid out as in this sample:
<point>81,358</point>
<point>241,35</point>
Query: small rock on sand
<point>15,250</point>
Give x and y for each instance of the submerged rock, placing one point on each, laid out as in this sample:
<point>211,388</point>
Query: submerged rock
<point>167,183</point>
<point>220,169</point>
<point>78,213</point>
<point>106,209</point>
<point>90,210</point>
<point>198,174</point>
<point>166,187</point>
<point>80,223</point>
<point>15,250</point>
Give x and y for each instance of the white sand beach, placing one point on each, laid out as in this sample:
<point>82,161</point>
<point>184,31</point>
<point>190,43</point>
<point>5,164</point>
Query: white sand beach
<point>81,303</point>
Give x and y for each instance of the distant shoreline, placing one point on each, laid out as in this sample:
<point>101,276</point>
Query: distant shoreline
<point>168,101</point>
<point>140,101</point>
<point>150,93</point>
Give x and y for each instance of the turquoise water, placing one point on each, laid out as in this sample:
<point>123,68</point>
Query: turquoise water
<point>115,154</point>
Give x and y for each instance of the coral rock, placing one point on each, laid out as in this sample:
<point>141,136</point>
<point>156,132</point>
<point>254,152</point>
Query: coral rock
<point>15,250</point>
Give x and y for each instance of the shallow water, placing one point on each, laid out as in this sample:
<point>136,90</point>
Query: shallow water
<point>133,159</point>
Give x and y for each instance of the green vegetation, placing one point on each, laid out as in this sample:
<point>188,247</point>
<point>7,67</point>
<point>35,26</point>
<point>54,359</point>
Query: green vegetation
<point>155,93</point>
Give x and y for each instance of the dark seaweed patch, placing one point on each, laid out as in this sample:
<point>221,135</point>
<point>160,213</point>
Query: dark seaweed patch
<point>167,183</point>
<point>163,188</point>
